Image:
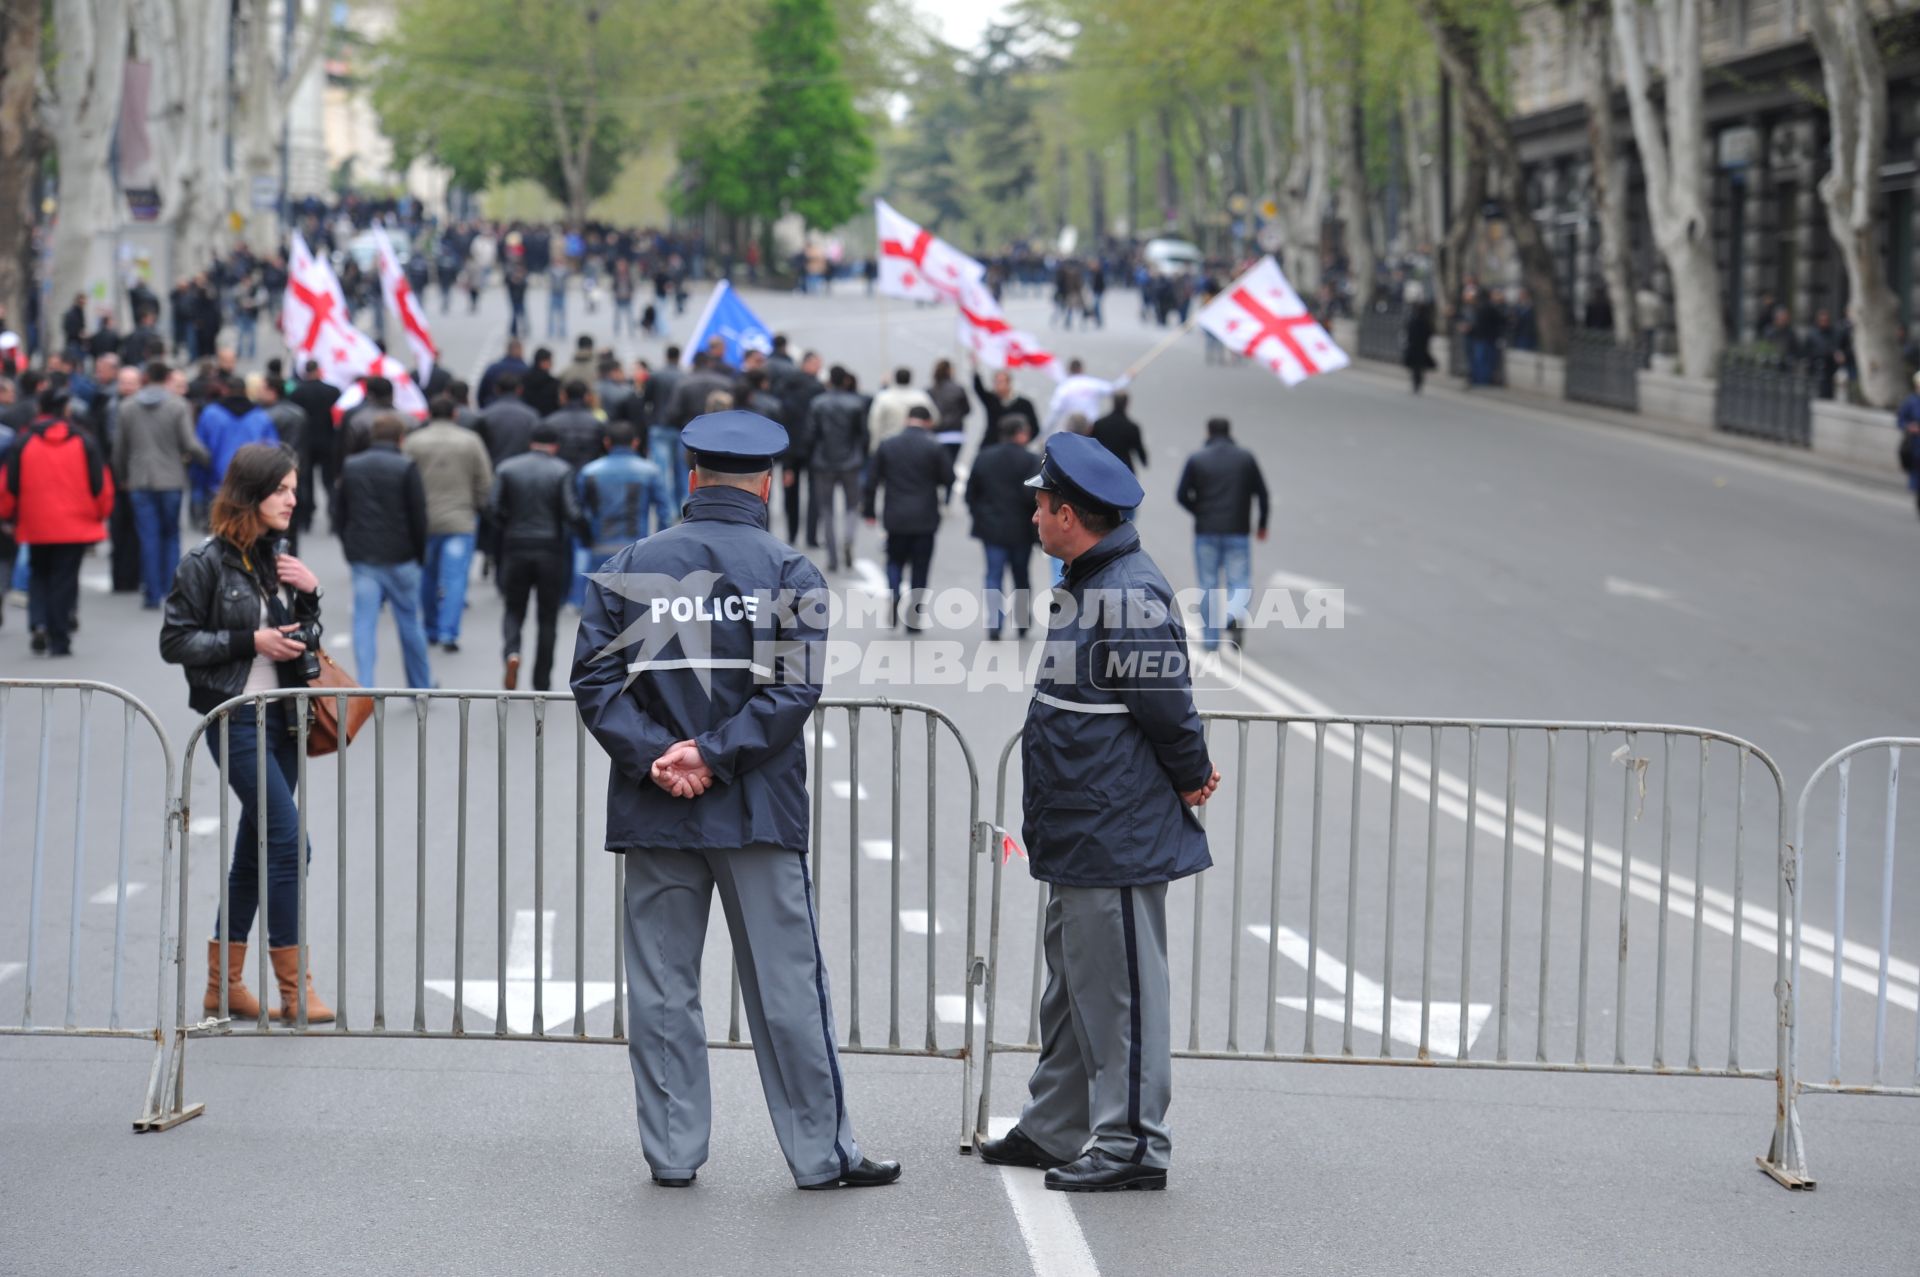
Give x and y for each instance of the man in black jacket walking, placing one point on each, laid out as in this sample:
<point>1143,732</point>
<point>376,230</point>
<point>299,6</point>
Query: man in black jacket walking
<point>382,512</point>
<point>1002,506</point>
<point>1219,487</point>
<point>914,469</point>
<point>318,455</point>
<point>837,423</point>
<point>1120,434</point>
<point>537,517</point>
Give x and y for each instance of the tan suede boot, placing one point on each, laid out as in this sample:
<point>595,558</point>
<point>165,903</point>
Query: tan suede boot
<point>241,1004</point>
<point>286,969</point>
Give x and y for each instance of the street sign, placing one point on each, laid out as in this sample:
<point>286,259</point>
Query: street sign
<point>1271,239</point>
<point>1237,204</point>
<point>1269,209</point>
<point>266,194</point>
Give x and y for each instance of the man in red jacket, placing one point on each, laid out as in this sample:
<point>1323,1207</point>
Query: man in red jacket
<point>57,490</point>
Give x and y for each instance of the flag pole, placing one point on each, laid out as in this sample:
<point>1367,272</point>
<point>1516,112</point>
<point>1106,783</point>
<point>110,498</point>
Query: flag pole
<point>1166,344</point>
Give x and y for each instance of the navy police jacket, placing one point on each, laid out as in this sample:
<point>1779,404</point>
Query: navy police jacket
<point>1112,738</point>
<point>709,631</point>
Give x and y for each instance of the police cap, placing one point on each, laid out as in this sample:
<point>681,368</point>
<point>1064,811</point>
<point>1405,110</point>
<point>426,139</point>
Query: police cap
<point>734,442</point>
<point>1080,467</point>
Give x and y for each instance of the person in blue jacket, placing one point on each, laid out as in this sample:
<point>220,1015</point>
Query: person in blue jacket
<point>623,496</point>
<point>699,661</point>
<point>230,421</point>
<point>1115,762</point>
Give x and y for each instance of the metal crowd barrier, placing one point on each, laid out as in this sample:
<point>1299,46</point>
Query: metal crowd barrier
<point>1382,332</point>
<point>376,944</point>
<point>132,835</point>
<point>1854,970</point>
<point>1343,885</point>
<point>1599,371</point>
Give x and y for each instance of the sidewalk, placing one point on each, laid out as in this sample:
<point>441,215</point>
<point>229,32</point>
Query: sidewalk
<point>1804,459</point>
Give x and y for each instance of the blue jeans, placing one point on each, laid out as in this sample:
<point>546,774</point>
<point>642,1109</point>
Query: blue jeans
<point>244,759</point>
<point>156,522</point>
<point>582,562</point>
<point>664,446</point>
<point>1480,361</point>
<point>443,591</point>
<point>1213,553</point>
<point>1002,559</point>
<point>398,586</point>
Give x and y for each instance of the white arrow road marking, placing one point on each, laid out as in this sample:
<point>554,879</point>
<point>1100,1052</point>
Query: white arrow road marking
<point>206,825</point>
<point>877,848</point>
<point>1055,1245</point>
<point>844,789</point>
<point>482,997</point>
<point>8,968</point>
<point>1369,996</point>
<point>97,584</point>
<point>1860,970</point>
<point>111,895</point>
<point>915,922</point>
<point>1622,588</point>
<point>950,1008</point>
<point>1294,582</point>
<point>829,741</point>
<point>873,578</point>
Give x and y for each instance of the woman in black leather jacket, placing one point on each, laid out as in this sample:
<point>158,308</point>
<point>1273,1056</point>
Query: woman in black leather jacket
<point>229,618</point>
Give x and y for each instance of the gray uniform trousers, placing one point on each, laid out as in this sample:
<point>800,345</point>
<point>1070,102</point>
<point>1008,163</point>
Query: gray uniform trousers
<point>767,895</point>
<point>1105,1074</point>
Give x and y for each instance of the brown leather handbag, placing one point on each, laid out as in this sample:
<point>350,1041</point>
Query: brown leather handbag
<point>325,732</point>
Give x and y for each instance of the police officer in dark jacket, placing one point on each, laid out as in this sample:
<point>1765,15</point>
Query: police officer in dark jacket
<point>915,470</point>
<point>1002,506</point>
<point>698,664</point>
<point>1115,763</point>
<point>536,516</point>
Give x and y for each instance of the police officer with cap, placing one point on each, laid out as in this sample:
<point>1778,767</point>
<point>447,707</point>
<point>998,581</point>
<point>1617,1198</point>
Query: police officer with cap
<point>698,664</point>
<point>1115,762</point>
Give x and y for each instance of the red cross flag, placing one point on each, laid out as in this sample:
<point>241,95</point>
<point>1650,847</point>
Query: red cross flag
<point>1260,317</point>
<point>404,306</point>
<point>407,397</point>
<point>313,318</point>
<point>994,342</point>
<point>916,264</point>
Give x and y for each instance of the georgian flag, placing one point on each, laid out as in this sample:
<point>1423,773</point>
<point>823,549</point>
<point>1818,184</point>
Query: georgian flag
<point>1260,317</point>
<point>994,342</point>
<point>404,306</point>
<point>313,319</point>
<point>407,396</point>
<point>917,265</point>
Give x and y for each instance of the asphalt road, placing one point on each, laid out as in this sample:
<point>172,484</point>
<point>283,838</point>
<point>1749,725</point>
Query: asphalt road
<point>1497,563</point>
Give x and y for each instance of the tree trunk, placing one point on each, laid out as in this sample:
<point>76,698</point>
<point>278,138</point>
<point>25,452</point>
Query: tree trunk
<point>1269,134</point>
<point>1169,185</point>
<point>1469,199</point>
<point>19,153</point>
<point>265,96</point>
<point>1674,163</point>
<point>1609,182</point>
<point>187,44</point>
<point>1304,202</point>
<point>1133,180</point>
<point>87,79</point>
<point>1356,214</point>
<point>1488,126</point>
<point>1096,196</point>
<point>1856,81</point>
<point>1422,175</point>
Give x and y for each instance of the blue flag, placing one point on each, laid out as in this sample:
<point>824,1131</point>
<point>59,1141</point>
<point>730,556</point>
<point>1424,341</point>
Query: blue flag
<point>729,319</point>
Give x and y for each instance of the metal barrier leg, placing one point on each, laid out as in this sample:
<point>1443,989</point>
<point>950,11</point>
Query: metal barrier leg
<point>1786,1159</point>
<point>165,1106</point>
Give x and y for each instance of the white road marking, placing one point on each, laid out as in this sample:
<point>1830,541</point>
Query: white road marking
<point>97,584</point>
<point>1293,581</point>
<point>1860,970</point>
<point>950,1008</point>
<point>8,968</point>
<point>1369,997</point>
<point>1055,1245</point>
<point>342,639</point>
<point>877,848</point>
<point>205,825</point>
<point>482,997</point>
<point>844,789</point>
<point>873,577</point>
<point>915,921</point>
<point>520,946</point>
<point>111,895</point>
<point>1622,588</point>
<point>829,741</point>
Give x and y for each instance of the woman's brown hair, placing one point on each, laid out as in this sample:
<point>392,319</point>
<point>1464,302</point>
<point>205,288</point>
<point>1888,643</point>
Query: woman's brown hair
<point>253,475</point>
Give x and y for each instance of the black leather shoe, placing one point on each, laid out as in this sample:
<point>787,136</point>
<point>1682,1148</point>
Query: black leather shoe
<point>1102,1172</point>
<point>675,1181</point>
<point>868,1174</point>
<point>1015,1149</point>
